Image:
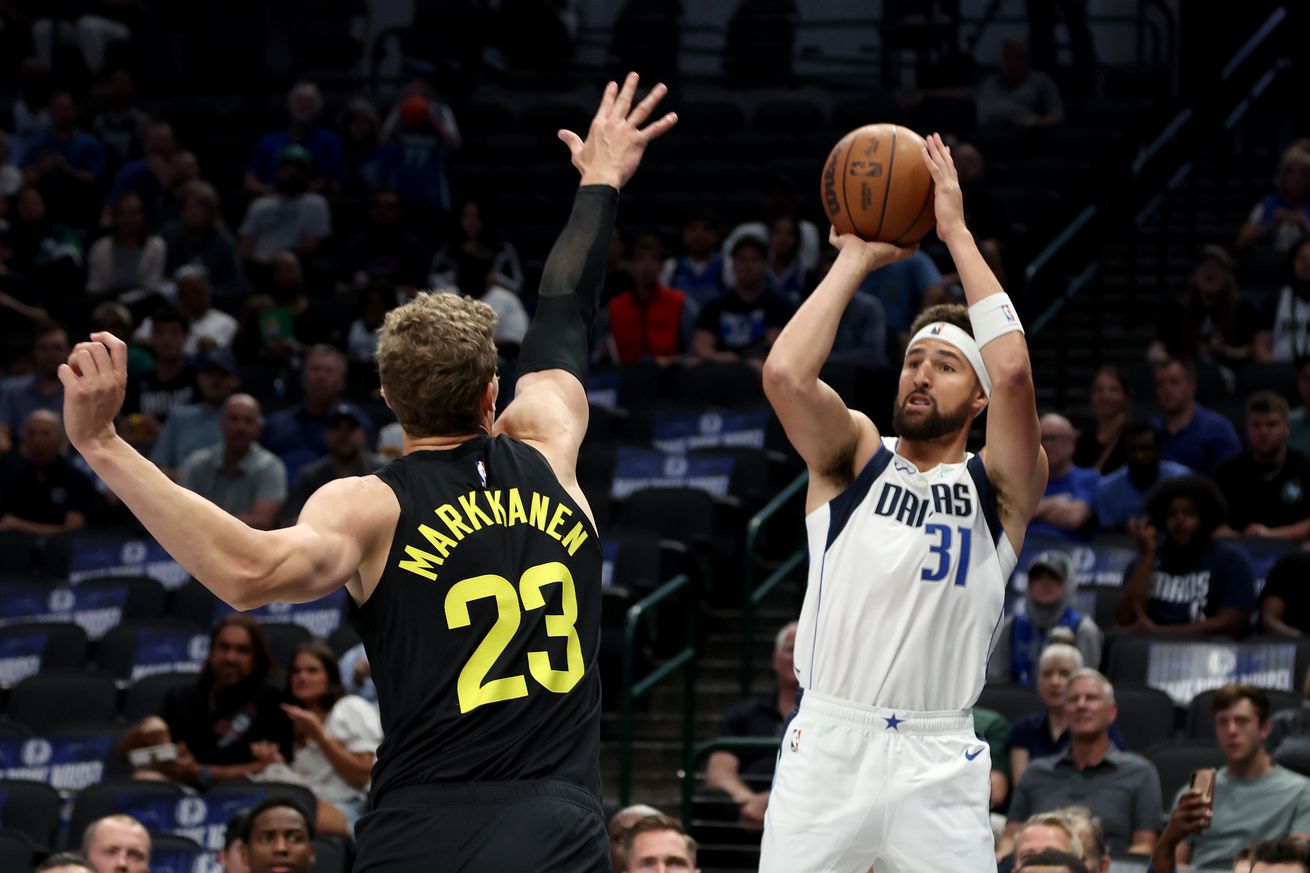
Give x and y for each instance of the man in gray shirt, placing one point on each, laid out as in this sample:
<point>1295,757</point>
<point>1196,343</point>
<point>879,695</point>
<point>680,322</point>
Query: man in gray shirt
<point>1254,798</point>
<point>239,474</point>
<point>1122,789</point>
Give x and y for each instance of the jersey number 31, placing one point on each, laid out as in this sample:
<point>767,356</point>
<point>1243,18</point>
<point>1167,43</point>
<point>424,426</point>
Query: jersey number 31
<point>939,551</point>
<point>473,687</point>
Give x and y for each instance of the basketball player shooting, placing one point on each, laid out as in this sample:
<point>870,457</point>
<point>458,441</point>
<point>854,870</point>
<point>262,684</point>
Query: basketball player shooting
<point>472,562</point>
<point>911,542</point>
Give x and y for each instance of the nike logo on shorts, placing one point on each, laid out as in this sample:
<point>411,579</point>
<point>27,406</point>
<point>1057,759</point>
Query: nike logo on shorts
<point>974,755</point>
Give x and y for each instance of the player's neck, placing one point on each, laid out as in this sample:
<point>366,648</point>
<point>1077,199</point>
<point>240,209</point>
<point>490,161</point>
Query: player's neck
<point>927,454</point>
<point>436,442</point>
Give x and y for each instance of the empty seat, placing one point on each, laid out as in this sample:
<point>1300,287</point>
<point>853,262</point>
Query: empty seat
<point>757,474</point>
<point>32,808</point>
<point>719,384</point>
<point>236,796</point>
<point>1294,754</point>
<point>330,856</point>
<point>1011,701</point>
<point>196,604</point>
<point>29,647</point>
<point>640,562</point>
<point>146,695</point>
<point>283,638</point>
<point>143,597</point>
<point>50,701</point>
<point>343,639</point>
<point>1146,716</point>
<point>154,804</point>
<point>170,853</point>
<point>138,649</point>
<point>1177,760</point>
<point>16,851</point>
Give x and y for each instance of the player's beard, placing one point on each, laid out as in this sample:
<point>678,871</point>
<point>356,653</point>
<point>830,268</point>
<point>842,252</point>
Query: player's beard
<point>932,426</point>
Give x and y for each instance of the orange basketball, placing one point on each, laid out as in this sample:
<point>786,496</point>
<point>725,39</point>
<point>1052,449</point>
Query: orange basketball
<point>876,185</point>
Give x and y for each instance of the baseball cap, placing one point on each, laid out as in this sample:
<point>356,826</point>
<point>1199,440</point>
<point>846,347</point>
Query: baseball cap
<point>218,359</point>
<point>1057,564</point>
<point>343,412</point>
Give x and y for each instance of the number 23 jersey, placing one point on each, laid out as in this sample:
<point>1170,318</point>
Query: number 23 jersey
<point>483,631</point>
<point>906,586</point>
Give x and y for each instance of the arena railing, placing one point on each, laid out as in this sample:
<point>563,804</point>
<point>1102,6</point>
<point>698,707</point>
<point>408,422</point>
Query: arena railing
<point>635,688</point>
<point>751,594</point>
<point>707,748</point>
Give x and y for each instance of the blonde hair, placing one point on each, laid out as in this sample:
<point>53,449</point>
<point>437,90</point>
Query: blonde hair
<point>1062,651</point>
<point>435,358</point>
<point>1058,821</point>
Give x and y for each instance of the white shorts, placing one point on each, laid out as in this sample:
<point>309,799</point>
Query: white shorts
<point>860,786</point>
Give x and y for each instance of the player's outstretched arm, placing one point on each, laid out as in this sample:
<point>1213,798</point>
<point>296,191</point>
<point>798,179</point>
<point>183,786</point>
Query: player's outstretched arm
<point>550,403</point>
<point>1014,458</point>
<point>834,441</point>
<point>244,567</point>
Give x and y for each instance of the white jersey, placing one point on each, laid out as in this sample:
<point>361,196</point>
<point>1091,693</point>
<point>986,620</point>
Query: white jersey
<point>906,586</point>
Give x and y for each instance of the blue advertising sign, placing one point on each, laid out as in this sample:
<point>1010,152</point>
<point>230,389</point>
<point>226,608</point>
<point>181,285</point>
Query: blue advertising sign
<point>20,656</point>
<point>678,431</point>
<point>603,390</point>
<point>1097,563</point>
<point>1184,670</point>
<point>93,610</point>
<point>203,819</point>
<point>94,557</point>
<point>635,469</point>
<point>68,763</point>
<point>320,617</point>
<point>168,650</point>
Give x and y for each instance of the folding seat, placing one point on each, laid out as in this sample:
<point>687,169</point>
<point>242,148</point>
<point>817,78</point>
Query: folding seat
<point>1146,716</point>
<point>343,639</point>
<point>1176,760</point>
<point>234,796</point>
<point>143,597</point>
<point>283,638</point>
<point>67,759</point>
<point>330,856</point>
<point>31,808</point>
<point>154,804</point>
<point>16,851</point>
<point>136,649</point>
<point>686,515</point>
<point>639,562</point>
<point>29,647</point>
<point>49,701</point>
<point>170,853</point>
<point>637,468</point>
<point>196,604</point>
<point>1294,754</point>
<point>1011,701</point>
<point>734,384</point>
<point>757,474</point>
<point>146,695</point>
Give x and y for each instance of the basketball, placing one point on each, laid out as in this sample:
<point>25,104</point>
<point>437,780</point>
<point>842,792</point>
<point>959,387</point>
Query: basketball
<point>876,185</point>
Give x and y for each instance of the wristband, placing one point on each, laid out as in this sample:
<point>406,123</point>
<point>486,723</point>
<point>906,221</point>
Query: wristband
<point>993,316</point>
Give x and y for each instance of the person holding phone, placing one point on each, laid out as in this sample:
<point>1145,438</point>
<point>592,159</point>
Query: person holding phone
<point>1248,800</point>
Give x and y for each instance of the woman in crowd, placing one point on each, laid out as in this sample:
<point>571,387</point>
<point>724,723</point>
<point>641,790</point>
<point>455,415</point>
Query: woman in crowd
<point>1282,218</point>
<point>1214,322</point>
<point>1100,446</point>
<point>129,257</point>
<point>475,226</point>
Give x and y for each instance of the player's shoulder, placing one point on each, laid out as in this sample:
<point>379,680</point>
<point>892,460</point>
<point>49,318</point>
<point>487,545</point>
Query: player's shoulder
<point>356,504</point>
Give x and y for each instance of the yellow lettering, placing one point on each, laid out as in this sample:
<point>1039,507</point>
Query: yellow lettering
<point>576,537</point>
<point>493,498</point>
<point>440,541</point>
<point>516,510</point>
<point>453,521</point>
<point>421,563</point>
<point>470,506</point>
<point>540,511</point>
<point>560,511</point>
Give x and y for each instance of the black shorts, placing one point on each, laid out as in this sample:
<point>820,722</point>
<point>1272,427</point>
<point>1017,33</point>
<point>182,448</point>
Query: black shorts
<point>484,827</point>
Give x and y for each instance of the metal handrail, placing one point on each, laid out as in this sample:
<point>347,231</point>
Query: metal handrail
<point>709,747</point>
<point>750,595</point>
<point>634,689</point>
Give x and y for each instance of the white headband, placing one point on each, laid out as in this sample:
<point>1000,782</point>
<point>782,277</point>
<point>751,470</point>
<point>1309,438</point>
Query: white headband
<point>954,336</point>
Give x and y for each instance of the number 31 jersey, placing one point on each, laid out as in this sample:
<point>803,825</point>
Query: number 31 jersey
<point>906,586</point>
<point>483,631</point>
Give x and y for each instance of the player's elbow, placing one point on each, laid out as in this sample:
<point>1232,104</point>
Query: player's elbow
<point>780,379</point>
<point>1011,374</point>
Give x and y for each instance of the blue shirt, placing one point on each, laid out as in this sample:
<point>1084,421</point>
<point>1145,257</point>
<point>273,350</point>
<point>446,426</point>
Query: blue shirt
<point>1118,499</point>
<point>1203,443</point>
<point>297,437</point>
<point>82,152</point>
<point>900,288</point>
<point>1078,484</point>
<point>20,396</point>
<point>1187,592</point>
<point>415,166</point>
<point>327,159</point>
<point>186,430</point>
<point>136,176</point>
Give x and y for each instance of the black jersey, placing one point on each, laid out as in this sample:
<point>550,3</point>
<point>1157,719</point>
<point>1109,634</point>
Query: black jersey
<point>484,628</point>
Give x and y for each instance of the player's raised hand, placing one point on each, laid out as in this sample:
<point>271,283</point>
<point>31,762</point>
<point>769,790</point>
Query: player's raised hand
<point>948,200</point>
<point>871,255</point>
<point>616,139</point>
<point>95,381</point>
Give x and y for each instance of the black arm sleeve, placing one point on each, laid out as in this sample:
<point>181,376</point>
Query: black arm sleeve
<point>560,335</point>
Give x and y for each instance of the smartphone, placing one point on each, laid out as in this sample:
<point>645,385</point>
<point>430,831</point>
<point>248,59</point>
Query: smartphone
<point>1203,781</point>
<point>147,755</point>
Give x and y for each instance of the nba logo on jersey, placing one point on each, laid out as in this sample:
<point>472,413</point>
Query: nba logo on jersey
<point>482,473</point>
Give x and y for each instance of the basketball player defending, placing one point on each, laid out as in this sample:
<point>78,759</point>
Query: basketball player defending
<point>472,562</point>
<point>911,542</point>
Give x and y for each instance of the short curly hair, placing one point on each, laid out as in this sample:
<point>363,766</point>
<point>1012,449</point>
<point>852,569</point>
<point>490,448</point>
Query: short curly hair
<point>951,313</point>
<point>435,358</point>
<point>1203,493</point>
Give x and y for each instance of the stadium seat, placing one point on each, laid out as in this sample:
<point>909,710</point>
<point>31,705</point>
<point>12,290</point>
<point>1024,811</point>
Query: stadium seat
<point>1146,716</point>
<point>710,118</point>
<point>757,474</point>
<point>49,701</point>
<point>1294,754</point>
<point>330,856</point>
<point>1011,701</point>
<point>195,603</point>
<point>343,639</point>
<point>1129,657</point>
<point>1200,712</point>
<point>16,851</point>
<point>685,515</point>
<point>146,695</point>
<point>151,803</point>
<point>137,649</point>
<point>719,384</point>
<point>145,596</point>
<point>283,638</point>
<point>641,562</point>
<point>243,795</point>
<point>170,853</point>
<point>1176,760</point>
<point>29,647</point>
<point>33,809</point>
<point>787,117</point>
